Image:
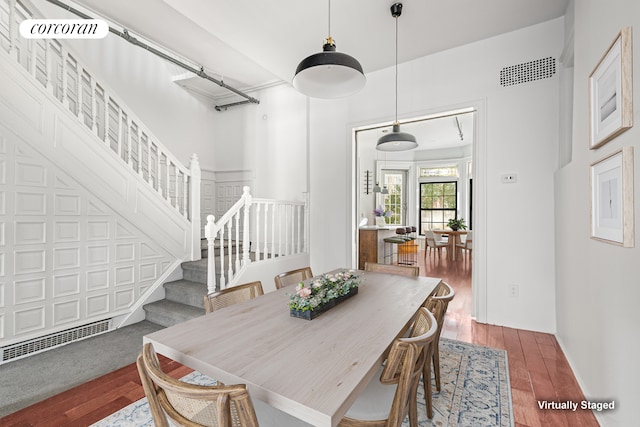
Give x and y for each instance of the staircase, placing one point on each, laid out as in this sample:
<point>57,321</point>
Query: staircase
<point>183,298</point>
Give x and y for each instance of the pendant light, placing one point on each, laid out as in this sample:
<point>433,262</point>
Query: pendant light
<point>329,74</point>
<point>396,140</point>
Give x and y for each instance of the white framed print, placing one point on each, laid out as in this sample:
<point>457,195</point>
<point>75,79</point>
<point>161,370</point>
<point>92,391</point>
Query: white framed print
<point>612,199</point>
<point>611,92</point>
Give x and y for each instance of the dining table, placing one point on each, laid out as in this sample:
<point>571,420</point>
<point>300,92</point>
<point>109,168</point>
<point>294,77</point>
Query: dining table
<point>453,239</point>
<point>310,369</point>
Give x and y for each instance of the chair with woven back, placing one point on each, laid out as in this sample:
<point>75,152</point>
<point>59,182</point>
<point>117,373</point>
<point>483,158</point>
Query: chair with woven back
<point>293,277</point>
<point>190,404</point>
<point>467,244</point>
<point>438,303</point>
<point>232,295</point>
<point>386,403</point>
<point>405,270</point>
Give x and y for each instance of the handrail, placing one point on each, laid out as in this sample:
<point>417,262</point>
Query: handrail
<point>275,228</point>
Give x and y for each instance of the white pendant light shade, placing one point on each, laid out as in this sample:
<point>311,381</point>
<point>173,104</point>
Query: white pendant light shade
<point>329,74</point>
<point>396,141</point>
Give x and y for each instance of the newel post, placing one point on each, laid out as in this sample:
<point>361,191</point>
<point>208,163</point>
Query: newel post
<point>194,208</point>
<point>210,231</point>
<point>246,237</point>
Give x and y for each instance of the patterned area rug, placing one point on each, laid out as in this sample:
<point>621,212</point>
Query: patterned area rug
<point>475,392</point>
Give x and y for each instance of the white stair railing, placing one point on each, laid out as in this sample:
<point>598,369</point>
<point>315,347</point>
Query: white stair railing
<point>53,66</point>
<point>270,229</point>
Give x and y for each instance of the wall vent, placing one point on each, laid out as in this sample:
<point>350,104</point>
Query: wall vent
<point>528,72</point>
<point>37,345</point>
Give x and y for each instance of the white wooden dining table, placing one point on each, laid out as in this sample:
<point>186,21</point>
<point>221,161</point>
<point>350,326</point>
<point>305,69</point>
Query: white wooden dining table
<point>313,370</point>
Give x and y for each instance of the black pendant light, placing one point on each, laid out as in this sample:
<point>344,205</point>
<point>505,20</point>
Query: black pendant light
<point>329,74</point>
<point>396,140</point>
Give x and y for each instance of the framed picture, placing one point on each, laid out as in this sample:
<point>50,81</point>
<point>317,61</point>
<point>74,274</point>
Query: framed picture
<point>610,92</point>
<point>612,198</point>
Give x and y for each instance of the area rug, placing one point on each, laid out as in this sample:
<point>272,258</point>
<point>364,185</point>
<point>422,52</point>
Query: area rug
<point>475,392</point>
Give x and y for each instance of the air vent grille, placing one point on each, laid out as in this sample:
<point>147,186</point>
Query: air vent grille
<point>37,345</point>
<point>528,72</point>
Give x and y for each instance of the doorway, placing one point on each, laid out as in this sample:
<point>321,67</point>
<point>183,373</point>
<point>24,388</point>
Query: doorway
<point>447,141</point>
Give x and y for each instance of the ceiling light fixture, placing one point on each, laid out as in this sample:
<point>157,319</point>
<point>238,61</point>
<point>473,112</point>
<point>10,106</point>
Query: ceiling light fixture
<point>396,140</point>
<point>329,74</point>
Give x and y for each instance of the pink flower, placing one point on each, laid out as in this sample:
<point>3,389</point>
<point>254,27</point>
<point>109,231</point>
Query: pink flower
<point>303,292</point>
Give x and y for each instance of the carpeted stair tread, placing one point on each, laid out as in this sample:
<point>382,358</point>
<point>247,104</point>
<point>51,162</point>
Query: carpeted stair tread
<point>186,292</point>
<point>169,313</point>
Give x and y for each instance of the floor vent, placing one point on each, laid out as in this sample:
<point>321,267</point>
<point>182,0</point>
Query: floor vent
<point>528,72</point>
<point>26,348</point>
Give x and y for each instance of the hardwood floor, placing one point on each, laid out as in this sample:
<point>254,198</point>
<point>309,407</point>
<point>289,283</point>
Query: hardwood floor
<point>538,369</point>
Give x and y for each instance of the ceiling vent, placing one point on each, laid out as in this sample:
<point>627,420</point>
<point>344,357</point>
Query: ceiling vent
<point>529,71</point>
<point>26,348</point>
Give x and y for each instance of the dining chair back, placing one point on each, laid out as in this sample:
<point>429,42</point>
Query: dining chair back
<point>438,303</point>
<point>232,295</point>
<point>380,404</point>
<point>434,242</point>
<point>293,277</point>
<point>467,244</point>
<point>404,270</point>
<point>190,404</point>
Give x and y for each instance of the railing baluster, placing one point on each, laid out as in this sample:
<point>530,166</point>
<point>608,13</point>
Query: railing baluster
<point>238,241</point>
<point>246,235</point>
<point>280,227</point>
<point>299,219</point>
<point>230,249</point>
<point>221,251</point>
<point>292,236</point>
<point>273,231</point>
<point>209,232</point>
<point>258,208</point>
<point>267,208</point>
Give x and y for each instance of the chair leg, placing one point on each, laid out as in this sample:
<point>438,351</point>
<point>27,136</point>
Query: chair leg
<point>413,406</point>
<point>436,365</point>
<point>426,382</point>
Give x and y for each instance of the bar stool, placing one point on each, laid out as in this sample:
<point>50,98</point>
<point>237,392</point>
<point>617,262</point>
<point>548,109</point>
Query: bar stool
<point>398,239</point>
<point>409,249</point>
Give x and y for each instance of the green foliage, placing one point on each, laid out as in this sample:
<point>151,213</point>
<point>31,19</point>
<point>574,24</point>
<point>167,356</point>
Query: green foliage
<point>457,224</point>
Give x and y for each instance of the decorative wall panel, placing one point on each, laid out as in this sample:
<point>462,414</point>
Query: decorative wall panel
<point>124,276</point>
<point>148,272</point>
<point>123,299</point>
<point>29,262</point>
<point>65,312</point>
<point>97,280</point>
<point>31,175</point>
<point>26,291</point>
<point>30,203</point>
<point>97,305</point>
<point>66,285</point>
<point>97,255</point>
<point>28,320</point>
<point>66,258</point>
<point>66,231</point>
<point>28,233</point>
<point>97,230</point>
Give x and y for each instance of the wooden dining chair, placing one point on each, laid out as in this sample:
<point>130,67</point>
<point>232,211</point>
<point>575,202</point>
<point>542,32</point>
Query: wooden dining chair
<point>467,244</point>
<point>386,403</point>
<point>190,404</point>
<point>438,303</point>
<point>434,243</point>
<point>404,270</point>
<point>293,277</point>
<point>232,295</point>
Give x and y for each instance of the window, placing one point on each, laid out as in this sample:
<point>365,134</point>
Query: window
<point>394,201</point>
<point>438,204</point>
<point>449,171</point>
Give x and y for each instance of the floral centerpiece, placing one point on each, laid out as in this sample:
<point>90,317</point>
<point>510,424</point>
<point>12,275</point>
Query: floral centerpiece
<point>380,215</point>
<point>322,293</point>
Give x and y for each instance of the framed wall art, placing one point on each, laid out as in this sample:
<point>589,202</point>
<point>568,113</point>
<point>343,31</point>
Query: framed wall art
<point>612,198</point>
<point>611,92</point>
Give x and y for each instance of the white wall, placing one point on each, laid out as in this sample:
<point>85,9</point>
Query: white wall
<point>519,133</point>
<point>269,139</point>
<point>597,283</point>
